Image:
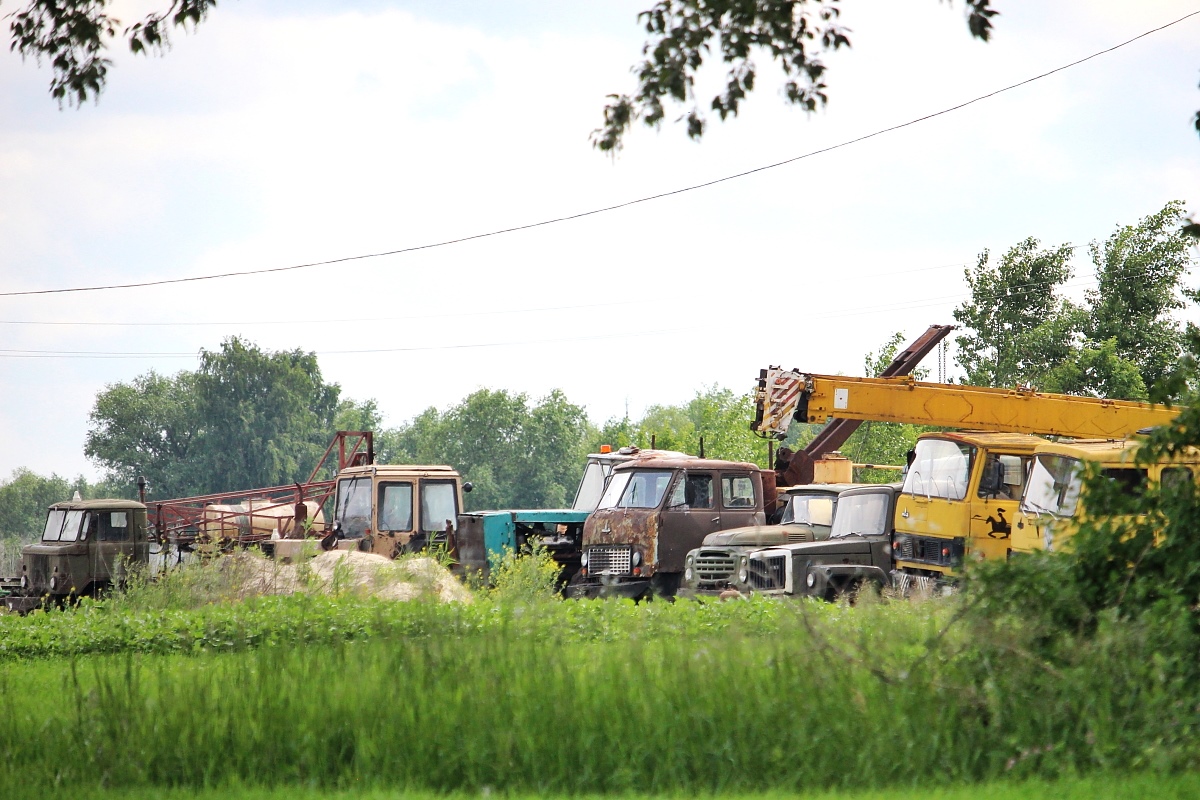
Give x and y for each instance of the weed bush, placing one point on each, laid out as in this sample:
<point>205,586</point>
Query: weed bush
<point>526,577</point>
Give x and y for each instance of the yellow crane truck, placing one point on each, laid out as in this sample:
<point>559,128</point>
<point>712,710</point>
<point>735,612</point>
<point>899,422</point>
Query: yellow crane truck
<point>961,489</point>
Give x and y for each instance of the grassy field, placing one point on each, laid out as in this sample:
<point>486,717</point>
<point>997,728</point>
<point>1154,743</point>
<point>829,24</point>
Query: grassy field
<point>1137,787</point>
<point>576,698</point>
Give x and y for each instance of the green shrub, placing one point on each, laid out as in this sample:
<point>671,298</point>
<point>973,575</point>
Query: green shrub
<point>527,576</point>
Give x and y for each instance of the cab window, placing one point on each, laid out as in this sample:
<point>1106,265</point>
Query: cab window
<point>439,506</point>
<point>641,489</point>
<point>1173,477</point>
<point>352,509</point>
<point>112,526</point>
<point>737,491</point>
<point>1130,480</point>
<point>1004,476</point>
<point>54,524</point>
<point>940,468</point>
<point>74,521</point>
<point>395,506</point>
<point>810,509</point>
<point>693,490</point>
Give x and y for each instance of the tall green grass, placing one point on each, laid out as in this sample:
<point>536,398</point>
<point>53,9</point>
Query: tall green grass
<point>597,698</point>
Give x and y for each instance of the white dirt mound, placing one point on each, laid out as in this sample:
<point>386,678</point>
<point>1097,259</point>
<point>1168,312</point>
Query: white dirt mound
<point>353,572</point>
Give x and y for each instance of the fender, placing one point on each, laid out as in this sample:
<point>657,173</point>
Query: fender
<point>822,580</point>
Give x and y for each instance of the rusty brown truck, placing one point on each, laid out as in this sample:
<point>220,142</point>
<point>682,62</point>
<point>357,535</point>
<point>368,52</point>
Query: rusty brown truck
<point>653,512</point>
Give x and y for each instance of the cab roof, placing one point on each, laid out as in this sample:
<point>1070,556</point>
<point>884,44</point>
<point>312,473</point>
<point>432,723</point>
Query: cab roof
<point>687,462</point>
<point>1020,441</point>
<point>93,505</point>
<point>830,488</point>
<point>398,470</point>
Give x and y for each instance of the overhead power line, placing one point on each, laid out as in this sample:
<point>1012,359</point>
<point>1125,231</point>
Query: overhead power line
<point>603,209</point>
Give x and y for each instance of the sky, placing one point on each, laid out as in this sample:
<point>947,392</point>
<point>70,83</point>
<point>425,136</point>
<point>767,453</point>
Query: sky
<point>286,133</point>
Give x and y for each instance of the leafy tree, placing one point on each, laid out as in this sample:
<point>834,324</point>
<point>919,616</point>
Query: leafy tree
<point>517,456</point>
<point>715,413</point>
<point>246,418</point>
<point>683,34</point>
<point>1017,329</point>
<point>1016,326</point>
<point>146,427</point>
<point>1139,269</point>
<point>73,35</point>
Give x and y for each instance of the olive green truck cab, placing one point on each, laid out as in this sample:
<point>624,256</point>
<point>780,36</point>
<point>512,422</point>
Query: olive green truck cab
<point>807,516</point>
<point>857,553</point>
<point>86,547</point>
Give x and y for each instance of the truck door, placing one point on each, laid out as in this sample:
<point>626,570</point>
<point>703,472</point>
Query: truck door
<point>690,514</point>
<point>740,505</point>
<point>112,544</point>
<point>934,509</point>
<point>995,507</point>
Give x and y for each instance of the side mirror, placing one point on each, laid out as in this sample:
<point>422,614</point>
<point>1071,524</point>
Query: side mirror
<point>992,478</point>
<point>467,487</point>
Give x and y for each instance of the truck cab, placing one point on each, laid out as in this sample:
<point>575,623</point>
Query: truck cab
<point>392,509</point>
<point>86,546</point>
<point>1055,499</point>
<point>653,512</point>
<point>808,514</point>
<point>857,552</point>
<point>959,500</point>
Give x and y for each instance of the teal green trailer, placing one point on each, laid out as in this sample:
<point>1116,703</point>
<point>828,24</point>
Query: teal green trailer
<point>485,536</point>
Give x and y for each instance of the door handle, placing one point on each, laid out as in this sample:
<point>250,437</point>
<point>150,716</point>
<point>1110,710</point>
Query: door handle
<point>716,519</point>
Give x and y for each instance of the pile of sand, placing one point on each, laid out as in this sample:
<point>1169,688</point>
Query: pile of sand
<point>353,572</point>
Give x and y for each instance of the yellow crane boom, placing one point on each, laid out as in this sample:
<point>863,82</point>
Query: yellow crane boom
<point>785,394</point>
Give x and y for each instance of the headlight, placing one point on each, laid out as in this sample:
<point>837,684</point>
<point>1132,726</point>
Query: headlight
<point>690,558</point>
<point>583,558</point>
<point>24,581</point>
<point>637,557</point>
<point>743,570</point>
<point>811,580</point>
<point>688,574</point>
<point>53,582</point>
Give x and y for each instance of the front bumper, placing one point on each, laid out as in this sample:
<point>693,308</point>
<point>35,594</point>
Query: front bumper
<point>609,586</point>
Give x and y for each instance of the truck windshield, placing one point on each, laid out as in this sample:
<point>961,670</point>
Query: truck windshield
<point>70,530</point>
<point>590,487</point>
<point>54,523</point>
<point>439,506</point>
<point>1054,484</point>
<point>810,509</point>
<point>940,468</point>
<point>353,507</point>
<point>862,513</point>
<point>639,489</point>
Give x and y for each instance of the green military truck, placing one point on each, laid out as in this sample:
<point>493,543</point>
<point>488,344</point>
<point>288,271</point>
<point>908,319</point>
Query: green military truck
<point>85,548</point>
<point>808,515</point>
<point>857,553</point>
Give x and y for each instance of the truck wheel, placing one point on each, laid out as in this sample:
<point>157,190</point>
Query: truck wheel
<point>665,585</point>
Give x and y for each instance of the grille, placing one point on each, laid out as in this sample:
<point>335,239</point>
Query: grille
<point>714,566</point>
<point>767,572</point>
<point>39,572</point>
<point>795,537</point>
<point>610,560</point>
<point>927,550</point>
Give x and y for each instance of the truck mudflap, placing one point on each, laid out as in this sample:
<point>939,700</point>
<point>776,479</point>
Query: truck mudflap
<point>829,581</point>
